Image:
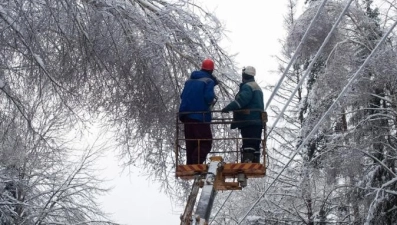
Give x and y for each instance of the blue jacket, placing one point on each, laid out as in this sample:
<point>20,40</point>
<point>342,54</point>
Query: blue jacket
<point>247,105</point>
<point>197,96</point>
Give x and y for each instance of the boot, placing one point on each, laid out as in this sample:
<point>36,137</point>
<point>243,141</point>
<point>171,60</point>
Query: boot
<point>257,157</point>
<point>247,155</point>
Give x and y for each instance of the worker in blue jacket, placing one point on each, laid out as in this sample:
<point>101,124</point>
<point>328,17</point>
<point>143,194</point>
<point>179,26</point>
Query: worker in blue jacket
<point>247,110</point>
<point>195,112</point>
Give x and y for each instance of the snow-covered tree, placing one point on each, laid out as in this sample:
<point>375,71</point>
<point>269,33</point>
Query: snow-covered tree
<point>42,180</point>
<point>345,173</point>
<point>66,64</point>
<point>352,132</point>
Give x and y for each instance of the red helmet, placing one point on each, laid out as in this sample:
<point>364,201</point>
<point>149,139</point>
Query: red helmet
<point>207,64</point>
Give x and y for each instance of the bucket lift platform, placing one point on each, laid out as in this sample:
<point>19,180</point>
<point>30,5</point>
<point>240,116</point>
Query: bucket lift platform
<point>225,171</point>
<point>212,178</point>
<point>215,176</point>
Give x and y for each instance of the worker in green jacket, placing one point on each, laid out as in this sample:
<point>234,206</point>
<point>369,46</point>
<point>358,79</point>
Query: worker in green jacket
<point>247,110</point>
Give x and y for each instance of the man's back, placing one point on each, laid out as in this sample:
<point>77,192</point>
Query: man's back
<point>197,95</point>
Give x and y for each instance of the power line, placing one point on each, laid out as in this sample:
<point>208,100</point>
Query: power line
<point>342,93</point>
<point>308,70</point>
<point>224,202</point>
<point>292,60</point>
<point>297,50</point>
<point>289,100</point>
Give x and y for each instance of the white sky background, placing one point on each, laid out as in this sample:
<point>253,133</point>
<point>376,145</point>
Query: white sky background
<point>255,27</point>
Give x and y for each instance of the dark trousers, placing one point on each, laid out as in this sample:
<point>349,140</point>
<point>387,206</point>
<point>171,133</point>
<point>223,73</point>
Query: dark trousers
<point>197,149</point>
<point>252,136</point>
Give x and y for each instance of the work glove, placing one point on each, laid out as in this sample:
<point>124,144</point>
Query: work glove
<point>215,80</point>
<point>213,103</point>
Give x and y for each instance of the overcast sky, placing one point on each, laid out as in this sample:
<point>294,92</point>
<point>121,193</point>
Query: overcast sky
<point>255,27</point>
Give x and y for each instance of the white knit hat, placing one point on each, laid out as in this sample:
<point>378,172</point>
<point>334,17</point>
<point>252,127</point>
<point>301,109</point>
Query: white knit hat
<point>249,70</point>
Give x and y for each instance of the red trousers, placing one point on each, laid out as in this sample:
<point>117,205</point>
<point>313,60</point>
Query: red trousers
<point>200,141</point>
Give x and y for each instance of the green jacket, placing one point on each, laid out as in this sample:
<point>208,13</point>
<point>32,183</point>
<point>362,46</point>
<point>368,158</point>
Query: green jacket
<point>247,105</point>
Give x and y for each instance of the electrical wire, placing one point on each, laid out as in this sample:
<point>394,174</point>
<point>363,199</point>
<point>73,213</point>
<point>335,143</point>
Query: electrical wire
<point>295,55</point>
<point>298,85</point>
<point>316,127</point>
<point>308,70</point>
<point>224,202</point>
<point>290,99</point>
<point>292,60</point>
